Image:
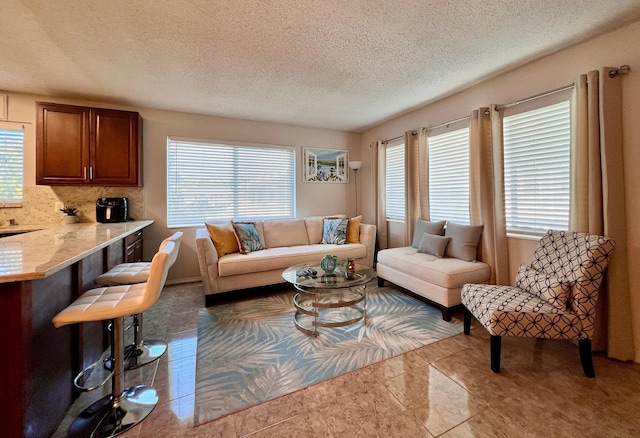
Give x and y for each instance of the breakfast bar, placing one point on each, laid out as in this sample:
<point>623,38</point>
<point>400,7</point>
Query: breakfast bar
<point>41,272</point>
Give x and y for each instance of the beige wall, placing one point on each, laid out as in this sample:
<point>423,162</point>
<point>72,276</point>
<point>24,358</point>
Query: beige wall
<point>311,198</point>
<point>553,71</point>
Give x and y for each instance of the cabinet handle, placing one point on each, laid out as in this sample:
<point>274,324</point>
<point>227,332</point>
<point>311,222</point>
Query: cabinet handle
<point>84,172</point>
<point>90,172</point>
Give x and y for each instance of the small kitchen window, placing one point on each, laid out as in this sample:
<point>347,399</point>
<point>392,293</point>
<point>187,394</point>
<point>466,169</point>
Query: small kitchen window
<point>11,164</point>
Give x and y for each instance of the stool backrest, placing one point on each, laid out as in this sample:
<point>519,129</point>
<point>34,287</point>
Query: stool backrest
<point>176,238</point>
<point>160,264</point>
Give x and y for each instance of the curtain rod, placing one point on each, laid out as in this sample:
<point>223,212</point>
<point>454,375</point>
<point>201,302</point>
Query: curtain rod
<point>451,122</point>
<point>537,96</point>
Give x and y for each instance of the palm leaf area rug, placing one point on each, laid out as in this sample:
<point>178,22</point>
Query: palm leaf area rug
<point>250,351</point>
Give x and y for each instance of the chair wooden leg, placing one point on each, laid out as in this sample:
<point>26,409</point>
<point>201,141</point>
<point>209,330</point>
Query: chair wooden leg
<point>586,359</point>
<point>496,344</point>
<point>467,321</point>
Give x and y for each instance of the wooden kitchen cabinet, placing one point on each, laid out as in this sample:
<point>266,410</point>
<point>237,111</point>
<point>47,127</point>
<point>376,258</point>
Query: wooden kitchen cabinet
<point>78,145</point>
<point>133,247</point>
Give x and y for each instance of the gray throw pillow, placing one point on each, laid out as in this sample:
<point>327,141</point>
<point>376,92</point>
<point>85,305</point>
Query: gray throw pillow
<point>464,241</point>
<point>434,245</point>
<point>423,226</point>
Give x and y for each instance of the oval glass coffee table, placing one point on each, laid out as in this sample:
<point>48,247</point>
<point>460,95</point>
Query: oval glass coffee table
<point>324,299</point>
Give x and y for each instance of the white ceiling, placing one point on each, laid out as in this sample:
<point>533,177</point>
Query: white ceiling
<point>339,64</point>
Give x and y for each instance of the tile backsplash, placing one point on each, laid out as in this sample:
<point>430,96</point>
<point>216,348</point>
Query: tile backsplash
<point>38,206</point>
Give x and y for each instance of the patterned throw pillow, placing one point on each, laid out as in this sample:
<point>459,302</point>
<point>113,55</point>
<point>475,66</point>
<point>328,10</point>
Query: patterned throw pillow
<point>543,285</point>
<point>247,237</point>
<point>335,231</point>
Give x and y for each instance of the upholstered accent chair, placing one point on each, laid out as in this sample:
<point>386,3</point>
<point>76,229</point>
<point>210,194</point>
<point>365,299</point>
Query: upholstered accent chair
<point>554,298</point>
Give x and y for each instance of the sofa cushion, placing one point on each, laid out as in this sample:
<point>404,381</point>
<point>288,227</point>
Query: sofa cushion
<point>464,241</point>
<point>434,245</point>
<point>423,226</point>
<point>223,237</point>
<point>247,237</point>
<point>335,231</point>
<point>283,257</point>
<point>288,232</point>
<point>544,286</point>
<point>353,229</point>
<point>445,272</point>
<point>314,226</point>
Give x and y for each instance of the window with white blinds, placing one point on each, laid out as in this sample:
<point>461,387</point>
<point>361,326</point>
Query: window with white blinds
<point>536,169</point>
<point>11,167</point>
<point>216,181</point>
<point>394,183</point>
<point>449,176</point>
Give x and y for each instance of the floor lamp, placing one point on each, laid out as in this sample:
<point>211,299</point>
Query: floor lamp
<point>355,165</point>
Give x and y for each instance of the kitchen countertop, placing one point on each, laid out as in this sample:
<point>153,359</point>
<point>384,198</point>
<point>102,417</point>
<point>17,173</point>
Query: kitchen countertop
<point>38,254</point>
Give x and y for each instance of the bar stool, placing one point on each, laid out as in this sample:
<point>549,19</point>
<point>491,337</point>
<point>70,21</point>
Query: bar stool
<point>141,352</point>
<point>124,407</point>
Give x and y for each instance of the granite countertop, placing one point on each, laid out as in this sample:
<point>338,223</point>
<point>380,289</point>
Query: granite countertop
<point>38,254</point>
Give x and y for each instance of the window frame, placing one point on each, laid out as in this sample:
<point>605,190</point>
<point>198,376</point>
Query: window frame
<point>397,145</point>
<point>241,179</point>
<point>519,230</point>
<point>18,177</point>
<point>455,136</point>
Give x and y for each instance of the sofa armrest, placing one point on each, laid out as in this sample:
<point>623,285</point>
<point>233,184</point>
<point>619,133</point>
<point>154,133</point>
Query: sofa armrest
<point>368,238</point>
<point>207,261</point>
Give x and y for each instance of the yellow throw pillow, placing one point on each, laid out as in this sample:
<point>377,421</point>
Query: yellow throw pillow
<point>224,238</point>
<point>353,229</point>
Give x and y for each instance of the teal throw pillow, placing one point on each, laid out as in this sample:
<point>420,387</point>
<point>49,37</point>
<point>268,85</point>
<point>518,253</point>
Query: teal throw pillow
<point>247,237</point>
<point>335,231</point>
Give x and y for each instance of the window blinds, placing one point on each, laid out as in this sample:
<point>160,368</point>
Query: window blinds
<point>449,176</point>
<point>536,169</point>
<point>394,183</point>
<point>219,182</point>
<point>11,167</point>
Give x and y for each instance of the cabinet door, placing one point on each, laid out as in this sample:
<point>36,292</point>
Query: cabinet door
<point>115,148</point>
<point>62,144</point>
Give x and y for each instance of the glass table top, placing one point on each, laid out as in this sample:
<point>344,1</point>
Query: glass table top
<point>322,280</point>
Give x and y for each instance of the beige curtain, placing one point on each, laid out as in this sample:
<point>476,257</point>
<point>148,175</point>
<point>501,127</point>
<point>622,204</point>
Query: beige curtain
<point>379,168</point>
<point>416,180</point>
<point>486,190</point>
<point>598,200</point>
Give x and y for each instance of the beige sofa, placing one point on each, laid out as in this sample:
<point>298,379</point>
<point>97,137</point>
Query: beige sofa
<point>436,274</point>
<point>286,243</point>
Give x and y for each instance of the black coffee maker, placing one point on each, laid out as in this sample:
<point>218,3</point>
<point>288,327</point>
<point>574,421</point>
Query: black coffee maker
<point>112,210</point>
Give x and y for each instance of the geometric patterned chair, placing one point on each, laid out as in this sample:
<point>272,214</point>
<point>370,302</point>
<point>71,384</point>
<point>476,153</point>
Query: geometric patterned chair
<point>554,297</point>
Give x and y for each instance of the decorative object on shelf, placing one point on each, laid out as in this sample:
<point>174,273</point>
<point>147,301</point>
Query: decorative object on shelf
<point>329,263</point>
<point>325,165</point>
<point>355,165</point>
<point>350,265</point>
<point>71,214</point>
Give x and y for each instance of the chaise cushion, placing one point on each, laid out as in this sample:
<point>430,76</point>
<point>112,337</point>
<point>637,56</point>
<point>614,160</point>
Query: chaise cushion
<point>423,226</point>
<point>434,245</point>
<point>464,241</point>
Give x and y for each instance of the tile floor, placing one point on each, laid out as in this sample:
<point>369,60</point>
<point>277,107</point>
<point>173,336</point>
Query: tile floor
<point>444,389</point>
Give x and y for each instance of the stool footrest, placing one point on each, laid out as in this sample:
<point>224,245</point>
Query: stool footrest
<point>93,376</point>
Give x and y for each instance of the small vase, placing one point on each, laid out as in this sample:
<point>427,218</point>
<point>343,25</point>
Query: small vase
<point>70,219</point>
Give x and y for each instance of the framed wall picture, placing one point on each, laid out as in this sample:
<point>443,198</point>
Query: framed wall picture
<point>326,165</point>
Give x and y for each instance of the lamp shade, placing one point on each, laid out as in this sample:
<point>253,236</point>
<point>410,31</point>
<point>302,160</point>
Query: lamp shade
<point>355,165</point>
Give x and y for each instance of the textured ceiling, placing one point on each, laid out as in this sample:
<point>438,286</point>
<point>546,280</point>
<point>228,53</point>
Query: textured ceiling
<point>336,64</point>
